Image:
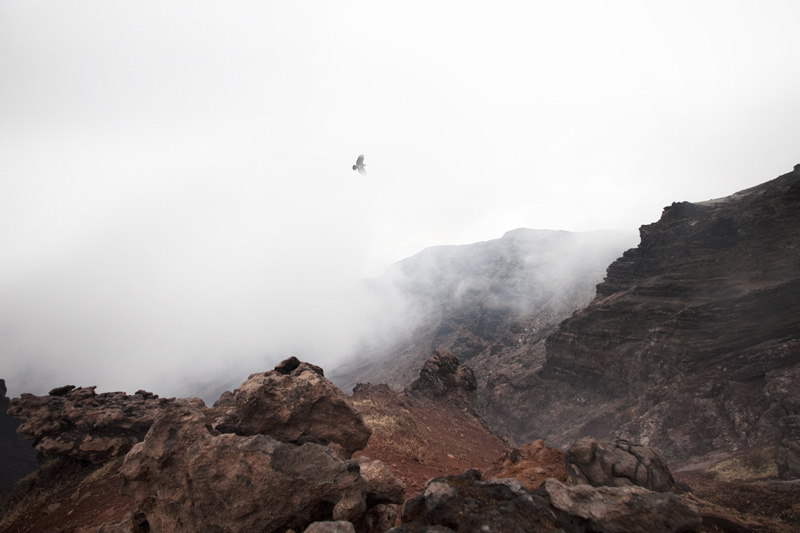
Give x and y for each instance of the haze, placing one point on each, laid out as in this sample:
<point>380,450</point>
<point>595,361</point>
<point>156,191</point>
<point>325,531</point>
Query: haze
<point>177,200</point>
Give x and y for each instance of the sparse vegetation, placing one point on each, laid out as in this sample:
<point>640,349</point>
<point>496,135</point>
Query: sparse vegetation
<point>34,497</point>
<point>395,428</point>
<point>754,466</point>
<point>101,472</point>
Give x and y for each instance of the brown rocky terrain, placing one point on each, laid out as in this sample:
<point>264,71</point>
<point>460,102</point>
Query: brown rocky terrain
<point>426,445</point>
<point>686,358</point>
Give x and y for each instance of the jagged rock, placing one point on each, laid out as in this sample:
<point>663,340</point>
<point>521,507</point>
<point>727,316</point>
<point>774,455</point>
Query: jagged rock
<point>225,400</point>
<point>287,365</point>
<point>617,464</point>
<point>297,405</point>
<point>81,424</point>
<point>620,509</point>
<point>384,485</point>
<point>18,455</point>
<point>441,374</point>
<point>691,343</point>
<point>188,477</point>
<point>530,464</point>
<point>331,527</point>
<point>465,503</point>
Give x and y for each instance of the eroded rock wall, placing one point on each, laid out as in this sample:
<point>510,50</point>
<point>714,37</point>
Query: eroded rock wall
<point>692,343</point>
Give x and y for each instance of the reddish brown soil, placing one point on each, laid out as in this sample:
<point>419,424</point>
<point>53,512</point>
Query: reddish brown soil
<point>432,437</point>
<point>67,497</point>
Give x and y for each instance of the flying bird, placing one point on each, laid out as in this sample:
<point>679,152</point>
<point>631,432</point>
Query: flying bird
<point>360,165</point>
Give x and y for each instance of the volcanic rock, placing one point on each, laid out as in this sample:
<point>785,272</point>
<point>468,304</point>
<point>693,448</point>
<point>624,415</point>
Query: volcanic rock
<point>330,527</point>
<point>530,464</point>
<point>19,457</point>
<point>617,464</point>
<point>619,509</point>
<point>186,476</point>
<point>465,503</point>
<point>295,403</point>
<point>443,374</point>
<point>83,425</point>
<point>692,343</point>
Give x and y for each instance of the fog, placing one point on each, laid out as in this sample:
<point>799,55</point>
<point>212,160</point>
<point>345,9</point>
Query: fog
<point>178,207</point>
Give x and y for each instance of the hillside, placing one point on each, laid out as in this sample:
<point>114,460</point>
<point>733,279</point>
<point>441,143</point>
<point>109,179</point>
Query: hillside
<point>692,343</point>
<point>492,303</point>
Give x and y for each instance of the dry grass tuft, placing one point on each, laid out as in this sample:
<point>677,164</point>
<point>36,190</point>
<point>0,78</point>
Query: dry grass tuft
<point>395,428</point>
<point>755,466</point>
<point>104,470</point>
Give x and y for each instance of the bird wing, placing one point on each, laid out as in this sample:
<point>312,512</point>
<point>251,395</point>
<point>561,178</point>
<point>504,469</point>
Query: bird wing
<point>360,160</point>
<point>362,171</point>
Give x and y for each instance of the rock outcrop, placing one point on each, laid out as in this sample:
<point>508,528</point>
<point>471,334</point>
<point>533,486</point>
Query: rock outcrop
<point>465,503</point>
<point>83,425</point>
<point>442,375</point>
<point>186,476</point>
<point>275,459</point>
<point>18,454</point>
<point>619,509</point>
<point>295,403</point>
<point>617,464</point>
<point>692,343</point>
<point>530,464</point>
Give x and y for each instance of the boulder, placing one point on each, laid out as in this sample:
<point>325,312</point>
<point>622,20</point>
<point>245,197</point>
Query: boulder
<point>330,527</point>
<point>443,374</point>
<point>225,400</point>
<point>617,464</point>
<point>186,476</point>
<point>77,422</point>
<point>295,403</point>
<point>465,503</point>
<point>530,464</point>
<point>620,509</point>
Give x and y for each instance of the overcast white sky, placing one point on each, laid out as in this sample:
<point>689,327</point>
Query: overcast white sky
<point>176,188</point>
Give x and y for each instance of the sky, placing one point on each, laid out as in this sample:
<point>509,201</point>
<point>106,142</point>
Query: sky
<point>177,199</point>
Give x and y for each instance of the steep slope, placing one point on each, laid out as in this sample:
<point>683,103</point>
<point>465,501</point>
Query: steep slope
<point>491,303</point>
<point>692,343</point>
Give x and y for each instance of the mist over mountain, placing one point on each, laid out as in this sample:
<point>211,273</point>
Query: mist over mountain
<point>690,343</point>
<point>488,301</point>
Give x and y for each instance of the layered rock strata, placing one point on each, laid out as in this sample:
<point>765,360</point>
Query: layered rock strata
<point>692,343</point>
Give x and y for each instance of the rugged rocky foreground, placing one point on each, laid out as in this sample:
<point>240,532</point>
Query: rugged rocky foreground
<point>692,343</point>
<point>286,465</point>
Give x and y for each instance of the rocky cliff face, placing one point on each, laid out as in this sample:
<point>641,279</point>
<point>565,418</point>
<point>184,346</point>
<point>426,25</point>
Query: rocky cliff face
<point>692,343</point>
<point>17,456</point>
<point>490,303</point>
